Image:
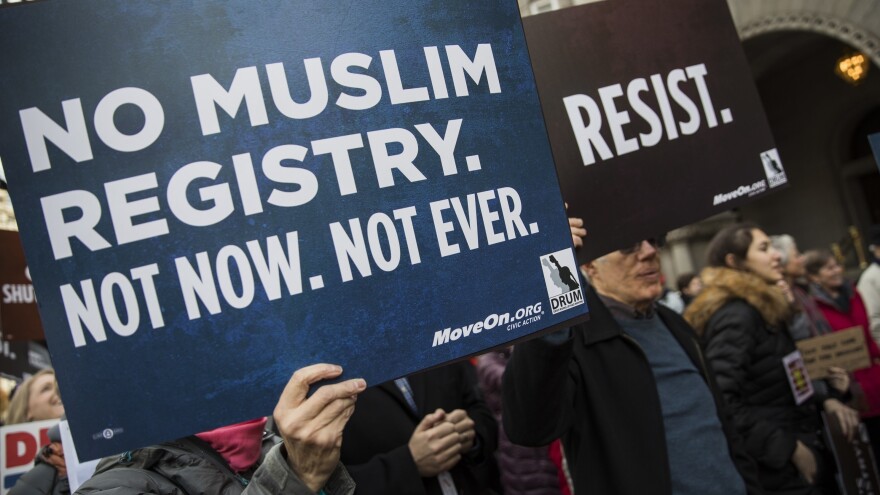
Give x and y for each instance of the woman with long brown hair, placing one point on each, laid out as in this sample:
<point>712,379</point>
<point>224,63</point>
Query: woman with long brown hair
<point>741,315</point>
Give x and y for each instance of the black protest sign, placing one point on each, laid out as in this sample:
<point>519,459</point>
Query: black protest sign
<point>652,113</point>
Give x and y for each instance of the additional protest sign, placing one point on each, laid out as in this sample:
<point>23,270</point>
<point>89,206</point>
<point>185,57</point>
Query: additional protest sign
<point>856,467</point>
<point>652,113</point>
<point>844,349</point>
<point>798,377</point>
<point>19,315</point>
<point>212,195</point>
<point>20,360</point>
<point>19,445</point>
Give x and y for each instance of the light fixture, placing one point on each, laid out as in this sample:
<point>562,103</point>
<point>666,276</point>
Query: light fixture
<point>852,68</point>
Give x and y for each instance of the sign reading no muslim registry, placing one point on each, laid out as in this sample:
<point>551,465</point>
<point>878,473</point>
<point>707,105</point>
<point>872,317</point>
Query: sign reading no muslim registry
<point>212,195</point>
<point>653,115</point>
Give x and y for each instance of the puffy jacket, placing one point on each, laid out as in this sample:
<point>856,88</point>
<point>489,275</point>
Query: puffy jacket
<point>524,470</point>
<point>742,321</point>
<point>189,466</point>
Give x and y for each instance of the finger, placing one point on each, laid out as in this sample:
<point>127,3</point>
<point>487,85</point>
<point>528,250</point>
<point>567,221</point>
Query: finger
<point>337,424</point>
<point>836,370</point>
<point>577,241</point>
<point>326,394</point>
<point>456,415</point>
<point>448,452</point>
<point>464,425</point>
<point>444,443</point>
<point>331,413</point>
<point>298,386</point>
<point>575,222</point>
<point>430,420</point>
<point>467,438</point>
<point>443,429</point>
<point>450,463</point>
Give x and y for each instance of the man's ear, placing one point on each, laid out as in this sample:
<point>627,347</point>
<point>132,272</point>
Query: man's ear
<point>590,269</point>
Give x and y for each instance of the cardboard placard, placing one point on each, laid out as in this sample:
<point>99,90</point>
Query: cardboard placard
<point>653,116</point>
<point>213,195</point>
<point>843,349</point>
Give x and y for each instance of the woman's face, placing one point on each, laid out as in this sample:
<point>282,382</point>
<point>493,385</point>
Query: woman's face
<point>795,267</point>
<point>830,276</point>
<point>762,259</point>
<point>44,402</point>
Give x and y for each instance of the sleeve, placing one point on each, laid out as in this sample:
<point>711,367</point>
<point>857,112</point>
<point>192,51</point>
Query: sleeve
<point>128,481</point>
<point>538,391</point>
<point>730,343</point>
<point>490,369</point>
<point>40,479</point>
<point>745,464</point>
<point>274,476</point>
<point>485,426</point>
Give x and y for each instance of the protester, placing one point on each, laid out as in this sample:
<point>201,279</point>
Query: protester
<point>869,283</point>
<point>524,470</point>
<point>304,461</point>
<point>627,392</point>
<point>36,399</point>
<point>49,474</point>
<point>422,434</point>
<point>689,286</point>
<point>807,321</point>
<point>742,316</point>
<point>843,308</point>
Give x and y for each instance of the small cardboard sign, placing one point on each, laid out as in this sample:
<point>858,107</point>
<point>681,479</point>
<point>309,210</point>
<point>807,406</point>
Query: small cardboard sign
<point>844,349</point>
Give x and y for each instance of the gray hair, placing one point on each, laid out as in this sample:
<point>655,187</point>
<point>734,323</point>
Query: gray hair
<point>784,244</point>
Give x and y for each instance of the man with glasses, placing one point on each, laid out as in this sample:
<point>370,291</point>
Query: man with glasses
<point>628,392</point>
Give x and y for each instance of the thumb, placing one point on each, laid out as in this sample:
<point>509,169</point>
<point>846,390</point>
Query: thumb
<point>430,420</point>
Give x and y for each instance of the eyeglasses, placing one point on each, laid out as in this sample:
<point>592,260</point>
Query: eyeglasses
<point>655,242</point>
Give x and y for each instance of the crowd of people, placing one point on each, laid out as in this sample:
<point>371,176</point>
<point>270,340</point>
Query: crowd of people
<point>685,395</point>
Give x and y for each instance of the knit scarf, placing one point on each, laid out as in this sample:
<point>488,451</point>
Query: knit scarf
<point>239,444</point>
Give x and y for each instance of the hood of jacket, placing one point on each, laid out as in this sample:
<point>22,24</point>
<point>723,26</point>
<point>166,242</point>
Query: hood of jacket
<point>722,285</point>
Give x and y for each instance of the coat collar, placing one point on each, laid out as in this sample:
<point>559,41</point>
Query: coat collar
<point>722,285</point>
<point>602,326</point>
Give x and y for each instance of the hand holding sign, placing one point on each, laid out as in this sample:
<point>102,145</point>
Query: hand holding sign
<point>312,427</point>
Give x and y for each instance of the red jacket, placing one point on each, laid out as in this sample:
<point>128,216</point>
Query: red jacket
<point>868,378</point>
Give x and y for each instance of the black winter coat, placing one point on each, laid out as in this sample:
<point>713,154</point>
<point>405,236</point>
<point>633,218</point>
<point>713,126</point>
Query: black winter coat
<point>743,324</point>
<point>597,392</point>
<point>375,448</point>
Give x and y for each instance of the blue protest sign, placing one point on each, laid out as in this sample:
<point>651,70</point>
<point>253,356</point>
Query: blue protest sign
<point>211,195</point>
